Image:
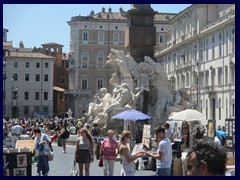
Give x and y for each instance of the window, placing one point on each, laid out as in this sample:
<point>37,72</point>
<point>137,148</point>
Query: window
<point>15,64</point>
<point>36,108</point>
<point>161,38</point>
<point>100,37</point>
<point>15,94</point>
<point>220,50</point>
<point>233,46</point>
<point>206,54</point>
<point>232,74</point>
<point>37,96</point>
<point>220,36</point>
<point>37,77</point>
<point>27,64</point>
<point>26,110</point>
<point>37,65</point>
<point>219,108</point>
<point>115,37</point>
<point>99,83</point>
<point>206,78</point>
<point>46,65</point>
<point>15,76</point>
<point>45,95</point>
<point>84,84</point>
<point>100,59</point>
<point>45,77</point>
<point>26,95</point>
<point>226,47</point>
<point>206,109</point>
<point>220,76</point>
<point>213,39</point>
<point>213,52</point>
<point>46,109</point>
<point>226,75</point>
<point>226,107</point>
<point>85,36</point>
<point>26,77</point>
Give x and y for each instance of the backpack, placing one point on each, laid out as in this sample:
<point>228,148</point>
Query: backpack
<point>65,135</point>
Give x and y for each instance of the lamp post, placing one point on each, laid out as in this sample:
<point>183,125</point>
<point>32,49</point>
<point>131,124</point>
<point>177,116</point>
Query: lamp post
<point>197,83</point>
<point>17,102</point>
<point>12,79</point>
<point>4,84</point>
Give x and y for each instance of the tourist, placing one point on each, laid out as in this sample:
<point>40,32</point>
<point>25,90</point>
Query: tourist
<point>206,159</point>
<point>164,153</point>
<point>128,165</point>
<point>41,145</point>
<point>108,153</point>
<point>84,151</point>
<point>64,135</point>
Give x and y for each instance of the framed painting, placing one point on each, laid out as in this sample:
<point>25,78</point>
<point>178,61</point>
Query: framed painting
<point>20,172</point>
<point>21,160</point>
<point>211,129</point>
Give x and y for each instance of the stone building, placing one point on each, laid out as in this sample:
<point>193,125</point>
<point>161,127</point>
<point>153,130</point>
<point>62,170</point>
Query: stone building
<point>200,53</point>
<point>28,81</point>
<point>60,77</point>
<point>91,39</point>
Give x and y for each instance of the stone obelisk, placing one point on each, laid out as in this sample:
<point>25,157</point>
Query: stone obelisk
<point>140,36</point>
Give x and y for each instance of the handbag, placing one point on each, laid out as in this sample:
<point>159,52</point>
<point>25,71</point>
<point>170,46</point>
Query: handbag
<point>74,171</point>
<point>100,164</point>
<point>50,156</point>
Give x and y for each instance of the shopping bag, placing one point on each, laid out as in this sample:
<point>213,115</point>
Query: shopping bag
<point>100,164</point>
<point>74,171</point>
<point>50,156</point>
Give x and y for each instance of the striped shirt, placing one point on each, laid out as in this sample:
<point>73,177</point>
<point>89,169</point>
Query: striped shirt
<point>109,149</point>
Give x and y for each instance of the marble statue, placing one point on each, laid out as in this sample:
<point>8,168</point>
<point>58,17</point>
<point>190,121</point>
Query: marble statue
<point>138,86</point>
<point>123,98</point>
<point>69,113</point>
<point>179,101</point>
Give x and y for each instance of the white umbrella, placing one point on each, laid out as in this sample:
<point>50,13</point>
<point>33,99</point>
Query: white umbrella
<point>187,115</point>
<point>4,120</point>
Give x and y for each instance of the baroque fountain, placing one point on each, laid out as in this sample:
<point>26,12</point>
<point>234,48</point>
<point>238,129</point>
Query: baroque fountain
<point>139,81</point>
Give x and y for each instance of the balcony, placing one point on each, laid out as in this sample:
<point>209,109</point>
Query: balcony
<point>78,91</point>
<point>209,89</point>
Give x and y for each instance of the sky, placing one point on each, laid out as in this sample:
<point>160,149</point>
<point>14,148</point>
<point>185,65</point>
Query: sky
<point>37,24</point>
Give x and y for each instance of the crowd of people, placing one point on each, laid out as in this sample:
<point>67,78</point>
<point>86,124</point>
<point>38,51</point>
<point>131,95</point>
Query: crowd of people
<point>204,158</point>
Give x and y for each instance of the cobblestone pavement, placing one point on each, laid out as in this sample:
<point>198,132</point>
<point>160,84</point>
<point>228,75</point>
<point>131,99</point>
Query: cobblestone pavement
<point>62,164</point>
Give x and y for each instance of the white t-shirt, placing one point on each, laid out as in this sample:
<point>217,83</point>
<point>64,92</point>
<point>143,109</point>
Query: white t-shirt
<point>165,147</point>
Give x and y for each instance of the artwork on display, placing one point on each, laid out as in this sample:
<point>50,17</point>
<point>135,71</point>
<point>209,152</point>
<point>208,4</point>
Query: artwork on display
<point>6,172</point>
<point>4,160</point>
<point>20,172</point>
<point>211,129</point>
<point>21,160</point>
<point>176,128</point>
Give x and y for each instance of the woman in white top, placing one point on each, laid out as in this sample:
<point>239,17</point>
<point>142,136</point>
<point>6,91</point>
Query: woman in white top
<point>128,166</point>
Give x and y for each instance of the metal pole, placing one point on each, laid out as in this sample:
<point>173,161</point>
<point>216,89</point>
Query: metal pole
<point>12,79</point>
<point>17,102</point>
<point>4,90</point>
